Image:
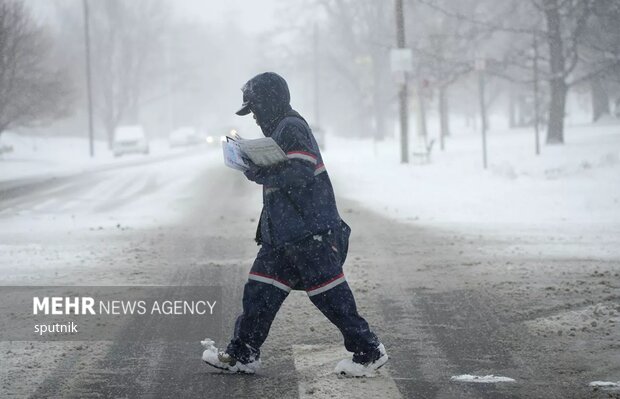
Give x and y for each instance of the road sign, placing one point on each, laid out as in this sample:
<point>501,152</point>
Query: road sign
<point>401,60</point>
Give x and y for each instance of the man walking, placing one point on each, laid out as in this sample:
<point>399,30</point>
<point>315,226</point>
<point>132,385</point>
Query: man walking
<point>303,241</point>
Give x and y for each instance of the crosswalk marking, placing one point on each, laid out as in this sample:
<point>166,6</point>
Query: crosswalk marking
<point>315,367</point>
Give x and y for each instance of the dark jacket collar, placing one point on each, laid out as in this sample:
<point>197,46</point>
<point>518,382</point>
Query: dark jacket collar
<point>269,128</point>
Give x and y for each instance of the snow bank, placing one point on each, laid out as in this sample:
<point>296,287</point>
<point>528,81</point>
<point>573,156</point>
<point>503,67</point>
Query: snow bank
<point>577,182</point>
<point>601,318</point>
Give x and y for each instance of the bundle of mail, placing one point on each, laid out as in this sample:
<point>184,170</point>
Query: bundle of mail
<point>263,152</point>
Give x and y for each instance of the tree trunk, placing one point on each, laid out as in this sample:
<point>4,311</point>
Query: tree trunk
<point>380,123</point>
<point>557,83</point>
<point>132,114</point>
<point>109,128</point>
<point>512,117</point>
<point>600,98</point>
<point>444,121</point>
<point>555,125</point>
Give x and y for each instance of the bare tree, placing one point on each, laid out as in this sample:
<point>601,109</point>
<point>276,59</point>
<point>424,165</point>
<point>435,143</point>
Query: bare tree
<point>361,35</point>
<point>559,23</point>
<point>601,56</point>
<point>355,39</point>
<point>127,40</point>
<point>31,92</point>
<point>443,50</point>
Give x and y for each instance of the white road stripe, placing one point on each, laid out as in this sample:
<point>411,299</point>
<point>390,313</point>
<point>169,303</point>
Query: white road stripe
<point>483,379</point>
<point>315,367</point>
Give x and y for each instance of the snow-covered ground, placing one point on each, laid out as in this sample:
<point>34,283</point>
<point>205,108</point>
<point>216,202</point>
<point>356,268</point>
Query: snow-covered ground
<point>139,223</point>
<point>37,156</point>
<point>129,198</point>
<point>577,183</point>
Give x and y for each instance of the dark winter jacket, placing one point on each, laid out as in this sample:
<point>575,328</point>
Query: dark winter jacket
<point>298,198</point>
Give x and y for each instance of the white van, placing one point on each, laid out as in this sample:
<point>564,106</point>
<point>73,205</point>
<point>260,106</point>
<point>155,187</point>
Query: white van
<point>130,139</point>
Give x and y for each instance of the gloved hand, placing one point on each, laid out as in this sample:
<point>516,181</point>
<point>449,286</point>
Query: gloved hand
<point>255,173</point>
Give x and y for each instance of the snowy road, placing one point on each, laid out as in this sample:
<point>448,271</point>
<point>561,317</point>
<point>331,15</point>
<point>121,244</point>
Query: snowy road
<point>445,302</point>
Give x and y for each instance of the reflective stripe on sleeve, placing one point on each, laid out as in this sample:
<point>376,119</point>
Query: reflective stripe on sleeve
<point>319,169</point>
<point>326,286</point>
<point>263,278</point>
<point>306,156</point>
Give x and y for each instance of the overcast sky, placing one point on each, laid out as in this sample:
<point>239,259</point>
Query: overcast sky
<point>253,15</point>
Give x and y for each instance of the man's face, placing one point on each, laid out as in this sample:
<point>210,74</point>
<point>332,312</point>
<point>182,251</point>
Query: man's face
<point>257,111</point>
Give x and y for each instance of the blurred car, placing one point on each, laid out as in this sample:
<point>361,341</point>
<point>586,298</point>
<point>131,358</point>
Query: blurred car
<point>129,140</point>
<point>217,139</point>
<point>184,136</point>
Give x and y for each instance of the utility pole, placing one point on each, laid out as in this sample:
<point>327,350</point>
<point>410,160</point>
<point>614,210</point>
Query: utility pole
<point>536,105</point>
<point>480,67</point>
<point>88,78</point>
<point>420,89</point>
<point>169,94</point>
<point>402,95</point>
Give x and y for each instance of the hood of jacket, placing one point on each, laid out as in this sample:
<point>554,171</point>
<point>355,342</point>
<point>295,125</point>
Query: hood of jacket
<point>269,100</point>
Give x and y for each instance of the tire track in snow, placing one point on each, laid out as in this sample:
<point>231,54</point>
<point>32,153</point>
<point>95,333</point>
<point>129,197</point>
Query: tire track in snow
<point>164,370</point>
<point>35,197</point>
<point>380,252</point>
<point>435,333</point>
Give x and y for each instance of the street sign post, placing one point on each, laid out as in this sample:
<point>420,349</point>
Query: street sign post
<point>401,60</point>
<point>480,66</point>
<point>402,63</point>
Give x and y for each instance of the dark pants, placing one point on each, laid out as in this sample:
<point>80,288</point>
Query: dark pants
<point>314,265</point>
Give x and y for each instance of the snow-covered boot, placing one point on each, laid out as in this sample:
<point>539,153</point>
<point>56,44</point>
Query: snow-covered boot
<point>223,361</point>
<point>363,364</point>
